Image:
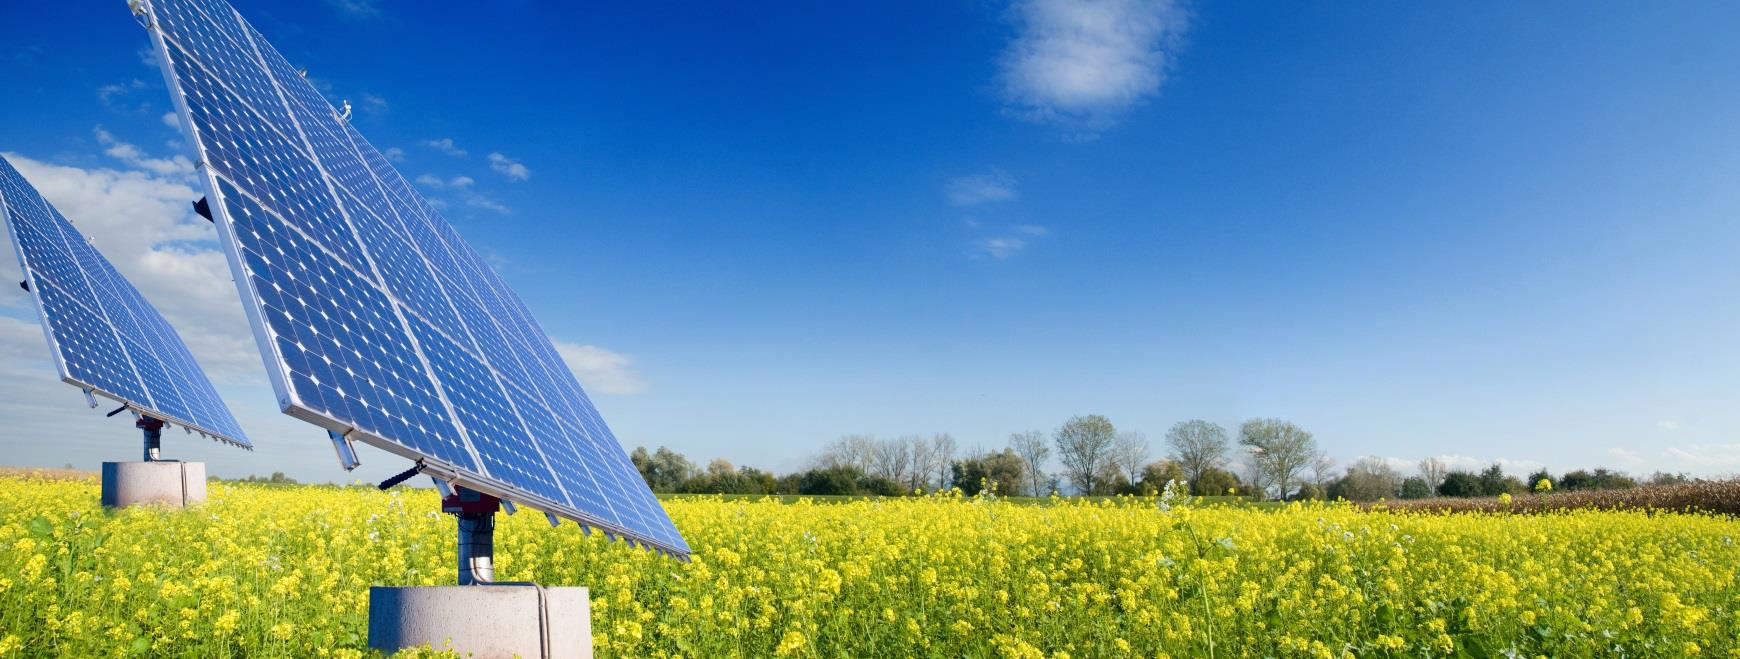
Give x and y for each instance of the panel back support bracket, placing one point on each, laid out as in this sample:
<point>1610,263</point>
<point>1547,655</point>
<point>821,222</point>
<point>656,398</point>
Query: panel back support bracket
<point>346,450</point>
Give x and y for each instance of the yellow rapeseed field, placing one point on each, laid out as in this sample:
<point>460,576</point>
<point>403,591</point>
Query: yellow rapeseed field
<point>265,570</point>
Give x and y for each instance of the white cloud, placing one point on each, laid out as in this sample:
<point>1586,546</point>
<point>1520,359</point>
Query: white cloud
<point>107,92</point>
<point>1082,63</point>
<point>601,371</point>
<point>1010,242</point>
<point>980,188</point>
<point>177,167</point>
<point>356,8</point>
<point>1472,464</point>
<point>143,223</point>
<point>373,104</point>
<point>172,120</point>
<point>394,154</point>
<point>1669,425</point>
<point>1002,247</point>
<point>1629,458</point>
<point>456,183</point>
<point>445,145</point>
<point>476,200</point>
<point>509,167</point>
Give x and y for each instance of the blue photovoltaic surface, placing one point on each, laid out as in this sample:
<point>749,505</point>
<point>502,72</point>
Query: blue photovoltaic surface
<point>375,318</point>
<point>103,334</point>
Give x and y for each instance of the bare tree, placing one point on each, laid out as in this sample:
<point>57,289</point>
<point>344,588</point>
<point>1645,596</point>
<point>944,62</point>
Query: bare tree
<point>1197,446</point>
<point>1033,449</point>
<point>893,458</point>
<point>856,451</point>
<point>1370,479</point>
<point>1084,445</point>
<point>922,461</point>
<point>1280,452</point>
<point>1130,455</point>
<point>1322,470</point>
<point>1433,471</point>
<point>943,450</point>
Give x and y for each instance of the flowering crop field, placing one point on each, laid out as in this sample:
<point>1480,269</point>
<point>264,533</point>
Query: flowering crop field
<point>275,570</point>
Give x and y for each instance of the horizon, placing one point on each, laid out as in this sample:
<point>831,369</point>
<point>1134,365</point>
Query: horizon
<point>1487,234</point>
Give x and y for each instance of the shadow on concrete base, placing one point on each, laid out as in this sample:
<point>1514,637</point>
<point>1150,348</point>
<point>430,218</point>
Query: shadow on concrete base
<point>483,621</point>
<point>170,483</point>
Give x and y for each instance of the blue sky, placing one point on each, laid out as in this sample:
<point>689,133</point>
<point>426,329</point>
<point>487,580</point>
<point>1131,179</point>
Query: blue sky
<point>1478,230</point>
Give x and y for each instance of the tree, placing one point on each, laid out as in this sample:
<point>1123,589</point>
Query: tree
<point>892,458</point>
<point>1130,454</point>
<point>1414,487</point>
<point>1494,482</point>
<point>942,447</point>
<point>1368,479</point>
<point>923,463</point>
<point>1599,479</point>
<point>1084,445</point>
<point>1322,470</point>
<point>1460,484</point>
<point>1032,448</point>
<point>1280,452</point>
<point>1661,478</point>
<point>1197,446</point>
<point>1215,482</point>
<point>856,451</point>
<point>1433,470</point>
<point>997,470</point>
<point>1157,474</point>
<point>664,470</point>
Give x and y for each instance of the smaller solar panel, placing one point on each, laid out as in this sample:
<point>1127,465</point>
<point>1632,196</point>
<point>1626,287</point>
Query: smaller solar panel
<point>103,335</point>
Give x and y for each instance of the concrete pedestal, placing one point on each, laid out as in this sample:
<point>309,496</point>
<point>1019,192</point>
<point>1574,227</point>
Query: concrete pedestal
<point>177,484</point>
<point>482,621</point>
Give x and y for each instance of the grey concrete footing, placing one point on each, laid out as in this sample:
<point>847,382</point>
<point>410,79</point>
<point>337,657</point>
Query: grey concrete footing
<point>483,621</point>
<point>177,484</point>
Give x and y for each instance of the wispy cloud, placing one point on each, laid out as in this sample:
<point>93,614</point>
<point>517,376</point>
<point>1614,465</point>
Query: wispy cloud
<point>993,186</point>
<point>356,8</point>
<point>476,200</point>
<point>457,182</point>
<point>373,104</point>
<point>177,167</point>
<point>113,96</point>
<point>1669,425</point>
<point>394,154</point>
<point>1081,64</point>
<point>601,371</point>
<point>1002,247</point>
<point>509,167</point>
<point>445,145</point>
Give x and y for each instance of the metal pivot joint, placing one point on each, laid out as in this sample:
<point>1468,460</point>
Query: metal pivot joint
<point>476,513</point>
<point>153,429</point>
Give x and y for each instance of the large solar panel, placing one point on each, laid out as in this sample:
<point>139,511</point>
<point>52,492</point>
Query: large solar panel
<point>103,335</point>
<point>376,320</point>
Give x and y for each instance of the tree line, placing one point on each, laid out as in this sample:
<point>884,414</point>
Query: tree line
<point>1275,459</point>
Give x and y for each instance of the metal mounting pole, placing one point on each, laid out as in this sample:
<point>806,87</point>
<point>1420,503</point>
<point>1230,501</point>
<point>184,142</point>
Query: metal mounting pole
<point>476,513</point>
<point>153,429</point>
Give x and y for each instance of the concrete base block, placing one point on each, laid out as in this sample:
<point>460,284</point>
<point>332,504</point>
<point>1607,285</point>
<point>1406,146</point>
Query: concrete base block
<point>482,621</point>
<point>177,484</point>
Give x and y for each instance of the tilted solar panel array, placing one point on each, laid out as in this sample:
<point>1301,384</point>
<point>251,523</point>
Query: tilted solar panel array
<point>102,333</point>
<point>375,318</point>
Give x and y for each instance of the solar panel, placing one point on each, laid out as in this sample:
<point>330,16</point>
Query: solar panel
<point>103,335</point>
<point>376,319</point>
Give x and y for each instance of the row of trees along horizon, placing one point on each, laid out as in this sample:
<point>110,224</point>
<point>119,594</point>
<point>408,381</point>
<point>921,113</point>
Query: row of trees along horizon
<point>1277,460</point>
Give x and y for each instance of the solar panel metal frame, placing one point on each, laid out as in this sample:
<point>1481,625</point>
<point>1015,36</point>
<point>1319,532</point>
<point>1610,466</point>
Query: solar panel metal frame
<point>59,356</point>
<point>345,431</point>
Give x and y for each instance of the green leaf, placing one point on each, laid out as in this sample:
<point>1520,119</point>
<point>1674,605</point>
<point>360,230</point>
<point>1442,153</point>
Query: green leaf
<point>141,645</point>
<point>41,527</point>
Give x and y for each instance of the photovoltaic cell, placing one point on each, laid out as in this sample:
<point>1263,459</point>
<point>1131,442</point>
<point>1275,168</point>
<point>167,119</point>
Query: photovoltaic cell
<point>102,333</point>
<point>376,320</point>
